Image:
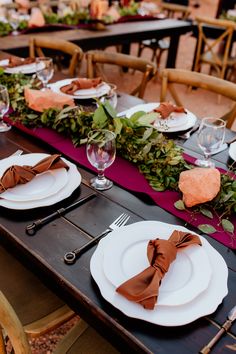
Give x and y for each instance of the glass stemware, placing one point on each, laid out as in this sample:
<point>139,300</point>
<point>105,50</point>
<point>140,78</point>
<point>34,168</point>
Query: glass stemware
<point>4,106</point>
<point>210,137</point>
<point>101,153</point>
<point>44,70</point>
<point>14,21</point>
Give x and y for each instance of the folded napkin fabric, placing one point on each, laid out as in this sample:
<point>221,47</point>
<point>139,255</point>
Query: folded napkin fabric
<point>166,108</point>
<point>41,100</point>
<point>143,288</point>
<point>81,84</point>
<point>15,174</point>
<point>14,62</point>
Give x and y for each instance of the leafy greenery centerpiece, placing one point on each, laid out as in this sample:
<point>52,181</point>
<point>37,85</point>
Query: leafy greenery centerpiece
<point>158,158</point>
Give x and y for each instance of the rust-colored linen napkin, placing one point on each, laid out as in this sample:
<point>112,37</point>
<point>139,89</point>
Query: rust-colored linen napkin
<point>14,62</point>
<point>143,288</point>
<point>166,108</point>
<point>22,174</point>
<point>80,84</point>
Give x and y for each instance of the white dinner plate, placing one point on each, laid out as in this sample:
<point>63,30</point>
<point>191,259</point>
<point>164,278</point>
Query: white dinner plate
<point>187,277</point>
<point>41,186</point>
<point>204,304</point>
<point>232,151</point>
<point>101,90</point>
<point>176,122</point>
<point>73,181</point>
<point>24,69</point>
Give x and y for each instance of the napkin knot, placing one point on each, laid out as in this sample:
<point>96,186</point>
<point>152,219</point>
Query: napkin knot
<point>143,288</point>
<point>15,174</point>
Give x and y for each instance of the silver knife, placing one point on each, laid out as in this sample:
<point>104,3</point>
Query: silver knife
<point>224,328</point>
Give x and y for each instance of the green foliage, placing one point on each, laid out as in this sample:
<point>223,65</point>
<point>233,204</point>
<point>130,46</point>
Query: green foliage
<point>5,29</point>
<point>130,10</point>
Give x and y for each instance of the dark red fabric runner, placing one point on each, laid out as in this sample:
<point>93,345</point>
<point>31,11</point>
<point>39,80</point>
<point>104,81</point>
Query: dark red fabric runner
<point>127,175</point>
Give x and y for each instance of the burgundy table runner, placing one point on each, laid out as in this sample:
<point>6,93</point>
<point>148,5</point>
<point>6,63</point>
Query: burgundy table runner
<point>127,175</point>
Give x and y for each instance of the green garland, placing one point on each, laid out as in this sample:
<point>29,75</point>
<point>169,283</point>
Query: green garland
<point>158,158</point>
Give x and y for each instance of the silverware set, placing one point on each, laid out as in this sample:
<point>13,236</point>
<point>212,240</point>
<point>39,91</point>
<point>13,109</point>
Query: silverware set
<point>224,328</point>
<point>70,257</point>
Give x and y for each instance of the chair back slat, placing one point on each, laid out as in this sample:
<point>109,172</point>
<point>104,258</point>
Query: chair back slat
<point>96,59</point>
<point>170,77</point>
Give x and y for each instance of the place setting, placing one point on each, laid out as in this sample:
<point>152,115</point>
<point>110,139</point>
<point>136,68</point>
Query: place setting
<point>86,89</point>
<point>164,116</point>
<point>36,180</point>
<point>187,289</point>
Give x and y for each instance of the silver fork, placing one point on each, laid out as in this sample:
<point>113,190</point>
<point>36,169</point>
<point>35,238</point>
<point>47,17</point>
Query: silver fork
<point>187,135</point>
<point>70,257</point>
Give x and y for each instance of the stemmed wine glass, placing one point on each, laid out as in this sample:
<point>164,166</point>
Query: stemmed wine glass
<point>44,70</point>
<point>14,20</point>
<point>101,153</point>
<point>4,106</point>
<point>210,137</point>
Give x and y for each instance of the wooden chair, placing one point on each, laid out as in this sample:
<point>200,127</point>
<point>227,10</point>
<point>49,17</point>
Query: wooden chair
<point>80,339</point>
<point>214,52</point>
<point>37,44</point>
<point>38,308</point>
<point>169,77</point>
<point>158,47</point>
<point>96,59</point>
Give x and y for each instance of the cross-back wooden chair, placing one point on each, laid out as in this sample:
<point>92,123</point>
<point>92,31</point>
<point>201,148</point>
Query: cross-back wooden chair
<point>38,45</point>
<point>170,77</point>
<point>38,308</point>
<point>96,59</point>
<point>158,47</point>
<point>214,52</point>
<point>80,339</point>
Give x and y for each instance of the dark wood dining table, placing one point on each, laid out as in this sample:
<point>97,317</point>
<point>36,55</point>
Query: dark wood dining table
<point>43,254</point>
<point>115,34</point>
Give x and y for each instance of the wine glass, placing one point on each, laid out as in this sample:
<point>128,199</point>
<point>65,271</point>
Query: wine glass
<point>4,106</point>
<point>210,137</point>
<point>111,96</point>
<point>14,21</point>
<point>44,70</point>
<point>101,153</point>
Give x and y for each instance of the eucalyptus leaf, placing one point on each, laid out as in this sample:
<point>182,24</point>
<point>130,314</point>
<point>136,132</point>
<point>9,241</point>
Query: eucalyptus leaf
<point>206,212</point>
<point>227,225</point>
<point>207,229</point>
<point>179,205</point>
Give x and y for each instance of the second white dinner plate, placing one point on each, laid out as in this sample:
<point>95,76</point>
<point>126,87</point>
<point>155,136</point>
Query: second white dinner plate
<point>41,186</point>
<point>23,69</point>
<point>232,151</point>
<point>204,304</point>
<point>101,90</point>
<point>72,181</point>
<point>176,121</point>
<point>186,278</point>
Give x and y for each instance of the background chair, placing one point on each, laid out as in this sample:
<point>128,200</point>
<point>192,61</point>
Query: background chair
<point>38,308</point>
<point>95,67</point>
<point>55,47</point>
<point>169,77</point>
<point>214,52</point>
<point>158,47</point>
<point>81,339</point>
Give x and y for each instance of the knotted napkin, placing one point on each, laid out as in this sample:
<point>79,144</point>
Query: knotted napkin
<point>22,174</point>
<point>143,288</point>
<point>81,84</point>
<point>14,62</point>
<point>166,108</point>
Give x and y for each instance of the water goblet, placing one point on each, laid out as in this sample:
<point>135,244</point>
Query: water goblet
<point>44,70</point>
<point>111,96</point>
<point>210,137</point>
<point>14,21</point>
<point>101,153</point>
<point>4,106</point>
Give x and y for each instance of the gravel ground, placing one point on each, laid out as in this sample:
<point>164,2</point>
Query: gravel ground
<point>197,102</point>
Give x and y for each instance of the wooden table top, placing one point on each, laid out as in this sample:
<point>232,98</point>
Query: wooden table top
<point>44,252</point>
<point>121,33</point>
